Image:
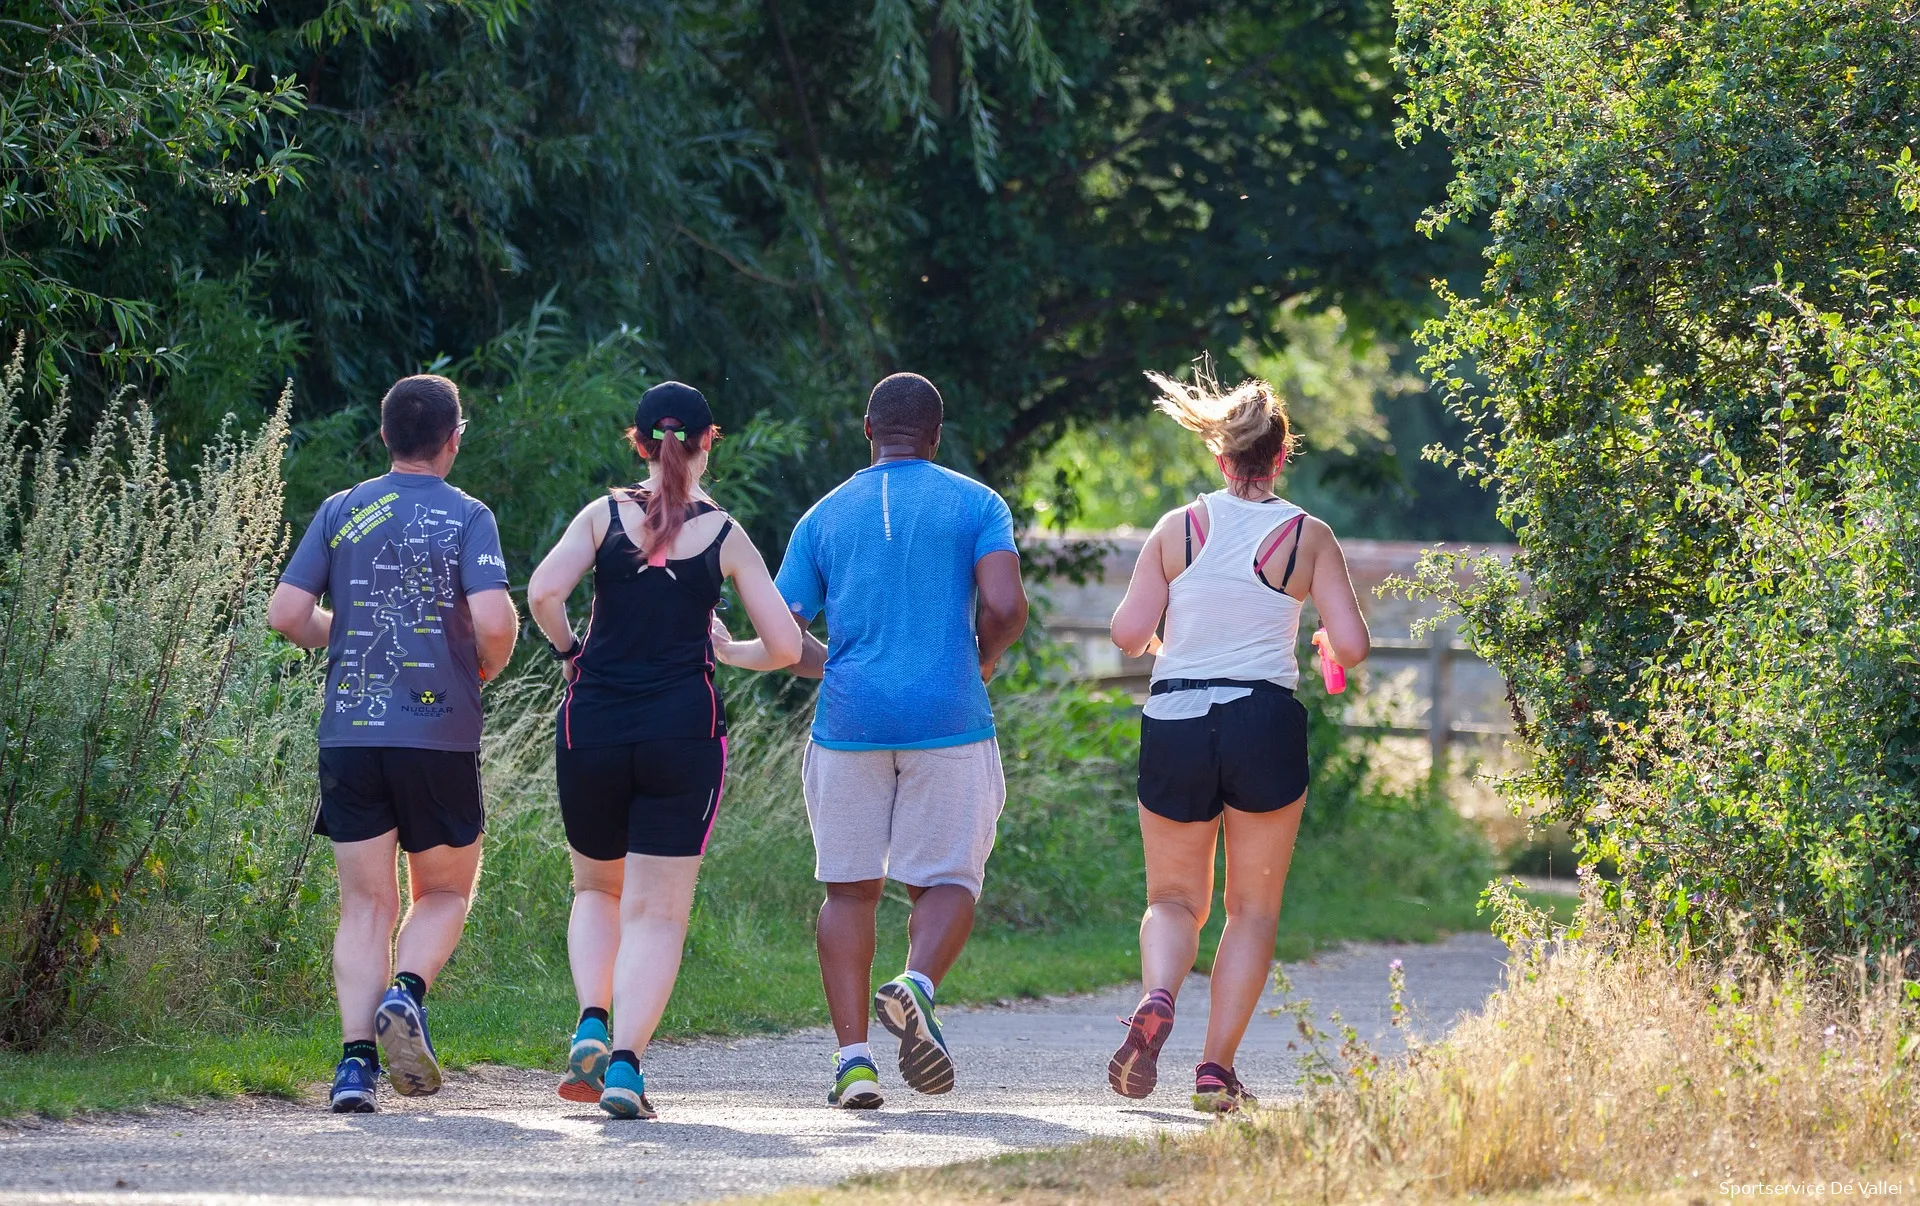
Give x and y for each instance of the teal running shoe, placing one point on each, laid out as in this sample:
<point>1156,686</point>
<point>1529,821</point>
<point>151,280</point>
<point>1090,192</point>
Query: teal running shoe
<point>625,1094</point>
<point>907,1013</point>
<point>586,1062</point>
<point>400,1025</point>
<point>856,1085</point>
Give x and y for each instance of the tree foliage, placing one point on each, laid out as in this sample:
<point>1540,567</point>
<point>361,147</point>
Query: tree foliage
<point>102,103</point>
<point>778,201</point>
<point>1662,183</point>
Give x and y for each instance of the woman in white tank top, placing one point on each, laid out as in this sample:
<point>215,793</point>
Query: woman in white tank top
<point>1223,742</point>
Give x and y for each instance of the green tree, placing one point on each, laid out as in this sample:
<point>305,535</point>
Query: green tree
<point>103,105</point>
<point>1220,162</point>
<point>1660,182</point>
<point>786,201</point>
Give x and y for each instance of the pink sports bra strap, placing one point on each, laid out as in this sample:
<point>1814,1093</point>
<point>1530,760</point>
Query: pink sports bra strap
<point>1279,539</point>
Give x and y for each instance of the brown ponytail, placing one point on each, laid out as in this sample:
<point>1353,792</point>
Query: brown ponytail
<point>666,505</point>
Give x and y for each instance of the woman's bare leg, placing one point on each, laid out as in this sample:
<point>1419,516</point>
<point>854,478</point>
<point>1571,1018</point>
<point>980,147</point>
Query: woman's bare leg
<point>593,929</point>
<point>655,901</point>
<point>1179,893</point>
<point>1259,850</point>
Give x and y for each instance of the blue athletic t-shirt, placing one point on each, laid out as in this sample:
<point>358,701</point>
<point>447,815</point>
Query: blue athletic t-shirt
<point>889,555</point>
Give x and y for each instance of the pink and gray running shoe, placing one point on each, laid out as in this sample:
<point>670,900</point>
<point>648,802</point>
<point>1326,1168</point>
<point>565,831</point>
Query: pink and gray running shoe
<point>1216,1090</point>
<point>1135,1068</point>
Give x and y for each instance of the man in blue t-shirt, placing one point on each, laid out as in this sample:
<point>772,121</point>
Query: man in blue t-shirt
<point>420,616</point>
<point>902,776</point>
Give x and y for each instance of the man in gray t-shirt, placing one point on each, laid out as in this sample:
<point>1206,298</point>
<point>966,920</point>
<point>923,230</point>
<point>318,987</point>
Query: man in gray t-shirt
<point>420,617</point>
<point>399,556</point>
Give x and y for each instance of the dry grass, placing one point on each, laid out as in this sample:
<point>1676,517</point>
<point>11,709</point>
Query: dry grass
<point>1607,1070</point>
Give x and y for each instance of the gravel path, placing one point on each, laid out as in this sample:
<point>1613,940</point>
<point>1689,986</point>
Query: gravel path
<point>736,1117</point>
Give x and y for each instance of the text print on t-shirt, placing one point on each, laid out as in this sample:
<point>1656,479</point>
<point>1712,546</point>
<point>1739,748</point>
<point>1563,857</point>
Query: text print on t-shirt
<point>413,579</point>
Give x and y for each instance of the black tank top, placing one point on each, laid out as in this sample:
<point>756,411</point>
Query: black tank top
<point>645,670</point>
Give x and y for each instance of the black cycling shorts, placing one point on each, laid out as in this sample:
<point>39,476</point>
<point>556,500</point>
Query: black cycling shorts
<point>1250,754</point>
<point>647,797</point>
<point>431,796</point>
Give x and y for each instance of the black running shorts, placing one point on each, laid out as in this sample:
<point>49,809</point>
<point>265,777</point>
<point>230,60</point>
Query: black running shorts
<point>1250,754</point>
<point>431,796</point>
<point>647,797</point>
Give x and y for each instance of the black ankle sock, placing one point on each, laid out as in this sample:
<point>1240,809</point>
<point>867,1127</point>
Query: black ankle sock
<point>624,1056</point>
<point>415,986</point>
<point>364,1049</point>
<point>595,1012</point>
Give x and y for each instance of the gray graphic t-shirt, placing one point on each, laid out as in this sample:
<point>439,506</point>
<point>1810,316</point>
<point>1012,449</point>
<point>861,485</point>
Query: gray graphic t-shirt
<point>398,555</point>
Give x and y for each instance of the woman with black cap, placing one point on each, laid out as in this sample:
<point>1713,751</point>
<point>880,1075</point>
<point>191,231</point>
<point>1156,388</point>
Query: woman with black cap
<point>641,733</point>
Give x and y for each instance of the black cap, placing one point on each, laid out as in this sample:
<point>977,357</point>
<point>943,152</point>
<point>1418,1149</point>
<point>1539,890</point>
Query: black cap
<point>671,400</point>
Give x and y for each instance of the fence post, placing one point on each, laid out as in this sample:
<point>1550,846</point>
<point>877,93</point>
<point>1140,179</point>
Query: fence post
<point>1440,709</point>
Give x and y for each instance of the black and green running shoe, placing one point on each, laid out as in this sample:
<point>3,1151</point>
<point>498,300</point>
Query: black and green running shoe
<point>856,1086</point>
<point>907,1012</point>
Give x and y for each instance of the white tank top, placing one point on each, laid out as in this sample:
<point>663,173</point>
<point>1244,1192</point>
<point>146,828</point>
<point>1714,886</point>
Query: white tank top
<point>1223,621</point>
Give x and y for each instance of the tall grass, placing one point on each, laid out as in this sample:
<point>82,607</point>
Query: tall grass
<point>153,790</point>
<point>1067,855</point>
<point>1067,851</point>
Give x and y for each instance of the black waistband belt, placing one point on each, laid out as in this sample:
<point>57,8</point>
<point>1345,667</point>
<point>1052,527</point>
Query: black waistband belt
<point>1200,684</point>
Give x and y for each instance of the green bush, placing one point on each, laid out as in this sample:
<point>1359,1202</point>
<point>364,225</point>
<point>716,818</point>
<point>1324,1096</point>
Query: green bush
<point>1703,629</point>
<point>1773,783</point>
<point>154,760</point>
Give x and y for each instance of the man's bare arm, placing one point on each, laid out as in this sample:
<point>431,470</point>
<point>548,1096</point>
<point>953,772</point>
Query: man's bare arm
<point>297,615</point>
<point>495,625</point>
<point>813,652</point>
<point>1003,607</point>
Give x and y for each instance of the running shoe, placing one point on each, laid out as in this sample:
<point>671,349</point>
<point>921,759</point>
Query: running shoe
<point>907,1012</point>
<point>401,1026</point>
<point>625,1094</point>
<point>586,1062</point>
<point>1135,1068</point>
<point>1216,1090</point>
<point>856,1085</point>
<point>353,1086</point>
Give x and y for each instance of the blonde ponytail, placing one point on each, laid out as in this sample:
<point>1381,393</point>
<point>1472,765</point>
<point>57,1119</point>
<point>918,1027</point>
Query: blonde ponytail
<point>1246,426</point>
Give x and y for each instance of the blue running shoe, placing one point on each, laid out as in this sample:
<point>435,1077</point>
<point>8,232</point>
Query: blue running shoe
<point>401,1026</point>
<point>905,1009</point>
<point>856,1085</point>
<point>625,1094</point>
<point>586,1062</point>
<point>353,1086</point>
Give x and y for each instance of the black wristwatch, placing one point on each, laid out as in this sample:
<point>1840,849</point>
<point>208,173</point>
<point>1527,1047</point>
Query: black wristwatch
<point>561,655</point>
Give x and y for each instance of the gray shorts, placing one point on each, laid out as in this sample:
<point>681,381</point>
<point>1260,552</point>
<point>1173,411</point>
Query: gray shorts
<point>919,817</point>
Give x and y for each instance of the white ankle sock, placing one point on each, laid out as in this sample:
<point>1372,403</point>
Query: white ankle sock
<point>853,1051</point>
<point>925,984</point>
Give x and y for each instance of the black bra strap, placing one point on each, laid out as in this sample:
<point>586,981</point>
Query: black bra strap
<point>1298,530</point>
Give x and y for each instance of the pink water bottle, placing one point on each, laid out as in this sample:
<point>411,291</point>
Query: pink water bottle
<point>1332,673</point>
